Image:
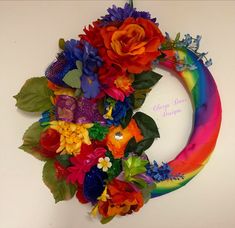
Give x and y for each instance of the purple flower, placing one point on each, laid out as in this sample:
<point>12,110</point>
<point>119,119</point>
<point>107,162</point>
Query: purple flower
<point>120,14</point>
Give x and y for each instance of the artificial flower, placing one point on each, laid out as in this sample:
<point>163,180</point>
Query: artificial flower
<point>123,199</point>
<point>98,132</point>
<point>61,171</point>
<point>118,112</point>
<point>124,83</point>
<point>49,142</point>
<point>104,164</point>
<point>119,14</point>
<point>90,86</point>
<point>133,45</point>
<point>80,194</point>
<point>118,138</point>
<point>83,162</point>
<point>108,74</point>
<point>58,90</point>
<point>71,136</point>
<point>94,184</point>
<point>65,62</point>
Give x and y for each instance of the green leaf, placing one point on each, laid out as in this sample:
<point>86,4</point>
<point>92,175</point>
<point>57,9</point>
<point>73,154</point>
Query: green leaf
<point>60,189</point>
<point>140,182</point>
<point>77,92</point>
<point>131,146</point>
<point>177,38</point>
<point>64,160</point>
<point>146,80</point>
<point>72,78</point>
<point>146,192</point>
<point>147,125</point>
<point>106,220</point>
<point>79,64</point>
<point>133,166</point>
<point>61,43</point>
<point>138,97</point>
<point>34,96</point>
<point>116,167</point>
<point>144,145</point>
<point>125,121</point>
<point>31,140</point>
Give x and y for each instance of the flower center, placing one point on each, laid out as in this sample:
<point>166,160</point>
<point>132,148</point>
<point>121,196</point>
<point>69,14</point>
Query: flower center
<point>118,136</point>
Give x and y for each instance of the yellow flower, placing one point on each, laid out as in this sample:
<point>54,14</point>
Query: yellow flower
<point>104,164</point>
<point>104,196</point>
<point>72,136</point>
<point>65,91</point>
<point>108,115</point>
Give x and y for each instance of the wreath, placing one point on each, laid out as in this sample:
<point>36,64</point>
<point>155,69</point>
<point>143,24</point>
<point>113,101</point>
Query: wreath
<point>91,135</point>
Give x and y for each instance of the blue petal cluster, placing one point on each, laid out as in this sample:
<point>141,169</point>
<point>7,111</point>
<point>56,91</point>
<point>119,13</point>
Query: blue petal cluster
<point>117,14</point>
<point>94,184</point>
<point>74,51</point>
<point>161,173</point>
<point>119,111</point>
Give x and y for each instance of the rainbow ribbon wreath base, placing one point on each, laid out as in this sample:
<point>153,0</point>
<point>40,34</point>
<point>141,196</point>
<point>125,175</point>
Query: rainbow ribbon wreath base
<point>91,135</point>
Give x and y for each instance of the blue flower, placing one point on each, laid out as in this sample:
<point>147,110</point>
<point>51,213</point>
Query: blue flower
<point>74,51</point>
<point>65,62</point>
<point>118,14</point>
<point>94,184</point>
<point>90,86</point>
<point>119,111</point>
<point>159,173</point>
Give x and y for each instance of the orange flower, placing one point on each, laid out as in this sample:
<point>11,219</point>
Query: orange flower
<point>134,45</point>
<point>124,83</point>
<point>118,138</point>
<point>122,199</point>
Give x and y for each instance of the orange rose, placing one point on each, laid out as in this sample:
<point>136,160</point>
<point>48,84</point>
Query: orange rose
<point>134,45</point>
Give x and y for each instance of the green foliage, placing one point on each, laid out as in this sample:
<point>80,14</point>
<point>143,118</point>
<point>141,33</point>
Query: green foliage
<point>147,125</point>
<point>59,188</point>
<point>31,140</point>
<point>142,84</point>
<point>146,192</point>
<point>125,121</point>
<point>72,78</point>
<point>98,132</point>
<point>146,80</point>
<point>61,43</point>
<point>106,220</point>
<point>132,167</point>
<point>34,96</point>
<point>116,167</point>
<point>63,159</point>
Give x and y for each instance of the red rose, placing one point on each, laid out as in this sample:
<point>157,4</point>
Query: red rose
<point>49,142</point>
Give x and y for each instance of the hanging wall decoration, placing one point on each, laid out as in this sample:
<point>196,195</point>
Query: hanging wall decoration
<point>91,136</point>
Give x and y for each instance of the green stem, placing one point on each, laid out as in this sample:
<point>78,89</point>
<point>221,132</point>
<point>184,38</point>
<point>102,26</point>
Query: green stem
<point>131,3</point>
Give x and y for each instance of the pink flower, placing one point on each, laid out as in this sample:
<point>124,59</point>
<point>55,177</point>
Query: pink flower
<point>83,162</point>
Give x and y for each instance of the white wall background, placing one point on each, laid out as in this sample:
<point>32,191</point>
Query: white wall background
<point>29,31</point>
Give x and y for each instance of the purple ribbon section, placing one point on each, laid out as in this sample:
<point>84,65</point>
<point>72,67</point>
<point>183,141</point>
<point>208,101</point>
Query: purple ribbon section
<point>79,111</point>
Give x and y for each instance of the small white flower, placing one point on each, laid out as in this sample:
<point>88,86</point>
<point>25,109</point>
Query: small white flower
<point>104,164</point>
